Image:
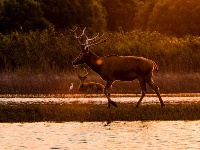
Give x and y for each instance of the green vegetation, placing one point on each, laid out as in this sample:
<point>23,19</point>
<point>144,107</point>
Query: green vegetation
<point>172,17</point>
<point>37,49</point>
<point>21,15</point>
<point>41,62</point>
<point>23,112</point>
<point>50,50</point>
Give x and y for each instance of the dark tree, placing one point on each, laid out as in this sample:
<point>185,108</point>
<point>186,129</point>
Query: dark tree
<point>172,17</point>
<point>120,13</point>
<point>67,13</point>
<point>21,15</point>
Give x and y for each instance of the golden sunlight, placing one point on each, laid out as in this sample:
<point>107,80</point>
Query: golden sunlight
<point>99,62</point>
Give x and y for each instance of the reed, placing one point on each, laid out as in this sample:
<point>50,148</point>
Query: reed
<point>59,83</point>
<point>24,112</point>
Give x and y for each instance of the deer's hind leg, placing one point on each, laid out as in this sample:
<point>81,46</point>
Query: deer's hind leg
<point>107,91</point>
<point>156,89</point>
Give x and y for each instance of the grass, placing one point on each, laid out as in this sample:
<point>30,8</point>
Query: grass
<point>52,83</point>
<point>57,85</point>
<point>24,112</point>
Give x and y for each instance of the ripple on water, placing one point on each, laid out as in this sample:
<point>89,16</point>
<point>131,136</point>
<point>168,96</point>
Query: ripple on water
<point>90,135</point>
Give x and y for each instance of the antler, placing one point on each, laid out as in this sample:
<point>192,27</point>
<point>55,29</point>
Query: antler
<point>76,70</point>
<point>78,37</point>
<point>89,41</point>
<point>97,41</point>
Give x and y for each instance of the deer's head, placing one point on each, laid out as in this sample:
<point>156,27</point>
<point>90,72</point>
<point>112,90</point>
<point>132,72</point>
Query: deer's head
<point>85,53</point>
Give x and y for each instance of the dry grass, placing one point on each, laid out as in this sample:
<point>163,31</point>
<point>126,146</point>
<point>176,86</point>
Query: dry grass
<point>50,83</point>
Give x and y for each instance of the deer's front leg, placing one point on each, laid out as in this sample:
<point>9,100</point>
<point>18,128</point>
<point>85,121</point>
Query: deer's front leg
<point>107,91</point>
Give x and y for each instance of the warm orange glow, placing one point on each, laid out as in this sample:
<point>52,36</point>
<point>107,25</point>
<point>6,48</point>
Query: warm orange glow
<point>99,62</point>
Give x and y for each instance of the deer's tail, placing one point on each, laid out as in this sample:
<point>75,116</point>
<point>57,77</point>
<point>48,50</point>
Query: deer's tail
<point>155,66</point>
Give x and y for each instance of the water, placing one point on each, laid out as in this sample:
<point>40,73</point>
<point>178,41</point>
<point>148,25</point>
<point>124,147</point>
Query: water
<point>98,135</point>
<point>100,100</point>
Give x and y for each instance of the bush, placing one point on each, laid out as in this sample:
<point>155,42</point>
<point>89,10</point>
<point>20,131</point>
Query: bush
<point>51,50</point>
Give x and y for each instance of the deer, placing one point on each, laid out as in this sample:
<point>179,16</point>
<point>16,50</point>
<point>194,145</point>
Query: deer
<point>90,86</point>
<point>114,67</point>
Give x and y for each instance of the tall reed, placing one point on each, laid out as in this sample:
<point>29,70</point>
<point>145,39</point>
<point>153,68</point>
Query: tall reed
<point>59,83</point>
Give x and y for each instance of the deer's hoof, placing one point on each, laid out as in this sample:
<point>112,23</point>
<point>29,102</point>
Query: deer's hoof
<point>163,105</point>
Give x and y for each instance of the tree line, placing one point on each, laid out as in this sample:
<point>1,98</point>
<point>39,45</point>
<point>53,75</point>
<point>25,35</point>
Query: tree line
<point>171,17</point>
<point>35,35</point>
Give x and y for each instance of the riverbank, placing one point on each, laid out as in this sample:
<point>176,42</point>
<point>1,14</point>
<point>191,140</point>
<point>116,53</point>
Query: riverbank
<point>87,112</point>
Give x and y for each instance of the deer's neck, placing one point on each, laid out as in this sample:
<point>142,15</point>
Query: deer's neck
<point>94,62</point>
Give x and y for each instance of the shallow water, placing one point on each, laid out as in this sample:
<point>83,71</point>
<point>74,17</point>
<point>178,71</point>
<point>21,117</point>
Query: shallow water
<point>99,135</point>
<point>100,100</point>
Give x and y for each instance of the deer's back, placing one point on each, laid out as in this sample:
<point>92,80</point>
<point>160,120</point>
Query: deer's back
<point>125,68</point>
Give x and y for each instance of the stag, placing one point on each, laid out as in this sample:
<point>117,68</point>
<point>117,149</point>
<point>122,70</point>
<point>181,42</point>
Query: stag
<point>112,68</point>
<point>90,86</point>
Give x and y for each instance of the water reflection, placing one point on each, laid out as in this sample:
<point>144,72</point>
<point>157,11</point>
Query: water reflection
<point>99,100</point>
<point>100,135</point>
